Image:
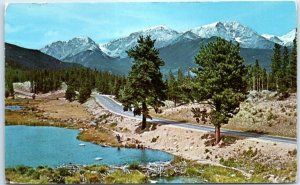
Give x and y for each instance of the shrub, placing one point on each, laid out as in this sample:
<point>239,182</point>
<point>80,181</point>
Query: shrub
<point>63,172</point>
<point>250,152</point>
<point>92,179</point>
<point>22,169</point>
<point>134,166</point>
<point>170,172</point>
<point>292,152</point>
<point>70,93</point>
<point>118,177</point>
<point>73,180</point>
<point>230,162</point>
<point>154,139</point>
<point>192,171</point>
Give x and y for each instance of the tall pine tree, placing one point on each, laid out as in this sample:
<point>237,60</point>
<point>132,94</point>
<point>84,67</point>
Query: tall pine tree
<point>276,66</point>
<point>144,86</point>
<point>293,66</point>
<point>220,81</point>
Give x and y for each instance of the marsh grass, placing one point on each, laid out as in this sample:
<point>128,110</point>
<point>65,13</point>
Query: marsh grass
<point>119,176</point>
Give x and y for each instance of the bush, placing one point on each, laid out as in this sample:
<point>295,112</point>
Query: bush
<point>6,93</point>
<point>73,180</point>
<point>230,162</point>
<point>70,93</point>
<point>92,179</point>
<point>292,152</point>
<point>22,169</point>
<point>192,171</point>
<point>134,166</point>
<point>118,177</point>
<point>154,139</point>
<point>170,172</point>
<point>250,152</point>
<point>63,172</point>
<point>84,94</point>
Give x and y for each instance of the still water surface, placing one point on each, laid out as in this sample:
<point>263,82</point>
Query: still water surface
<point>52,146</point>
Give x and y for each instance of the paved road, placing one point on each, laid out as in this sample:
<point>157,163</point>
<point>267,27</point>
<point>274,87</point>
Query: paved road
<point>117,108</point>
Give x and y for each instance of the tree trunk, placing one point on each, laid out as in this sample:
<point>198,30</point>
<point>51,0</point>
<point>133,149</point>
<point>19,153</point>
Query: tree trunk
<point>175,102</point>
<point>144,109</point>
<point>267,82</point>
<point>217,134</point>
<point>253,80</point>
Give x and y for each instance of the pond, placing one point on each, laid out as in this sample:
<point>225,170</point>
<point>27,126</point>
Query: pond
<point>13,107</point>
<point>52,146</point>
<point>175,180</point>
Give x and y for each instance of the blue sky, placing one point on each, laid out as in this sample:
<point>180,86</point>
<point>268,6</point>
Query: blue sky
<point>35,25</point>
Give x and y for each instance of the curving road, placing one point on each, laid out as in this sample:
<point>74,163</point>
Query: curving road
<point>117,108</point>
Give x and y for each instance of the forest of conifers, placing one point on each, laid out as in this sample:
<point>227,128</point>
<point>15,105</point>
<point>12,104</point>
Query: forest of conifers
<point>281,78</point>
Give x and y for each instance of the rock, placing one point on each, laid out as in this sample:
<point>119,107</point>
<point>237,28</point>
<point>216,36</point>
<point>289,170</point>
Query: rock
<point>25,86</point>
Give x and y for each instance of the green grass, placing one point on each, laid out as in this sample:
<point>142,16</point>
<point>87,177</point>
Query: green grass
<point>118,177</point>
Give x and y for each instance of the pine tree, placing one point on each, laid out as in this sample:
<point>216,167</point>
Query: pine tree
<point>276,66</point>
<point>84,93</point>
<point>144,86</point>
<point>70,93</point>
<point>220,81</point>
<point>284,71</point>
<point>184,85</point>
<point>173,90</point>
<point>293,66</point>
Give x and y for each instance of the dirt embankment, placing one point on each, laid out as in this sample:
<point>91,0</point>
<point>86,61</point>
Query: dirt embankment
<point>267,116</point>
<point>188,143</point>
<point>101,127</point>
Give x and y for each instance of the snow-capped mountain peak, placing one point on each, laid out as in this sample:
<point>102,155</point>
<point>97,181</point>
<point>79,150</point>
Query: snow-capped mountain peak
<point>233,31</point>
<point>159,27</point>
<point>288,38</point>
<point>64,49</point>
<point>285,40</point>
<point>162,34</point>
<point>272,38</point>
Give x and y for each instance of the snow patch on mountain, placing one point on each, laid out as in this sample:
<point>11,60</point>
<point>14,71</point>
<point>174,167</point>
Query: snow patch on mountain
<point>234,31</point>
<point>64,49</point>
<point>288,38</point>
<point>162,34</point>
<point>273,38</point>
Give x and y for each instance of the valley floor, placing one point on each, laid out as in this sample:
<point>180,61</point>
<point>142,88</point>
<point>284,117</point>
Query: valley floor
<point>258,160</point>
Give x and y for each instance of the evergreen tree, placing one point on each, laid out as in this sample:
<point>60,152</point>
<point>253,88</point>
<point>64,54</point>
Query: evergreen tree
<point>276,66</point>
<point>70,93</point>
<point>184,85</point>
<point>84,93</point>
<point>265,79</point>
<point>6,93</point>
<point>173,90</point>
<point>144,86</point>
<point>284,71</point>
<point>293,66</point>
<point>220,81</point>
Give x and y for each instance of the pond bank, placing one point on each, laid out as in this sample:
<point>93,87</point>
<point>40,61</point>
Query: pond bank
<point>266,161</point>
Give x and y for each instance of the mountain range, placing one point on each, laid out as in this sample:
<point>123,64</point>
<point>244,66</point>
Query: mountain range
<point>24,58</point>
<point>177,49</point>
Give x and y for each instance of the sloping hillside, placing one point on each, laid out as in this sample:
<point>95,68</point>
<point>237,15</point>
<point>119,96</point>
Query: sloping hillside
<point>31,59</point>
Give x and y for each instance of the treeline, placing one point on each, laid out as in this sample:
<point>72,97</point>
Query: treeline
<point>281,78</point>
<point>283,74</point>
<point>78,79</point>
<point>179,86</point>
